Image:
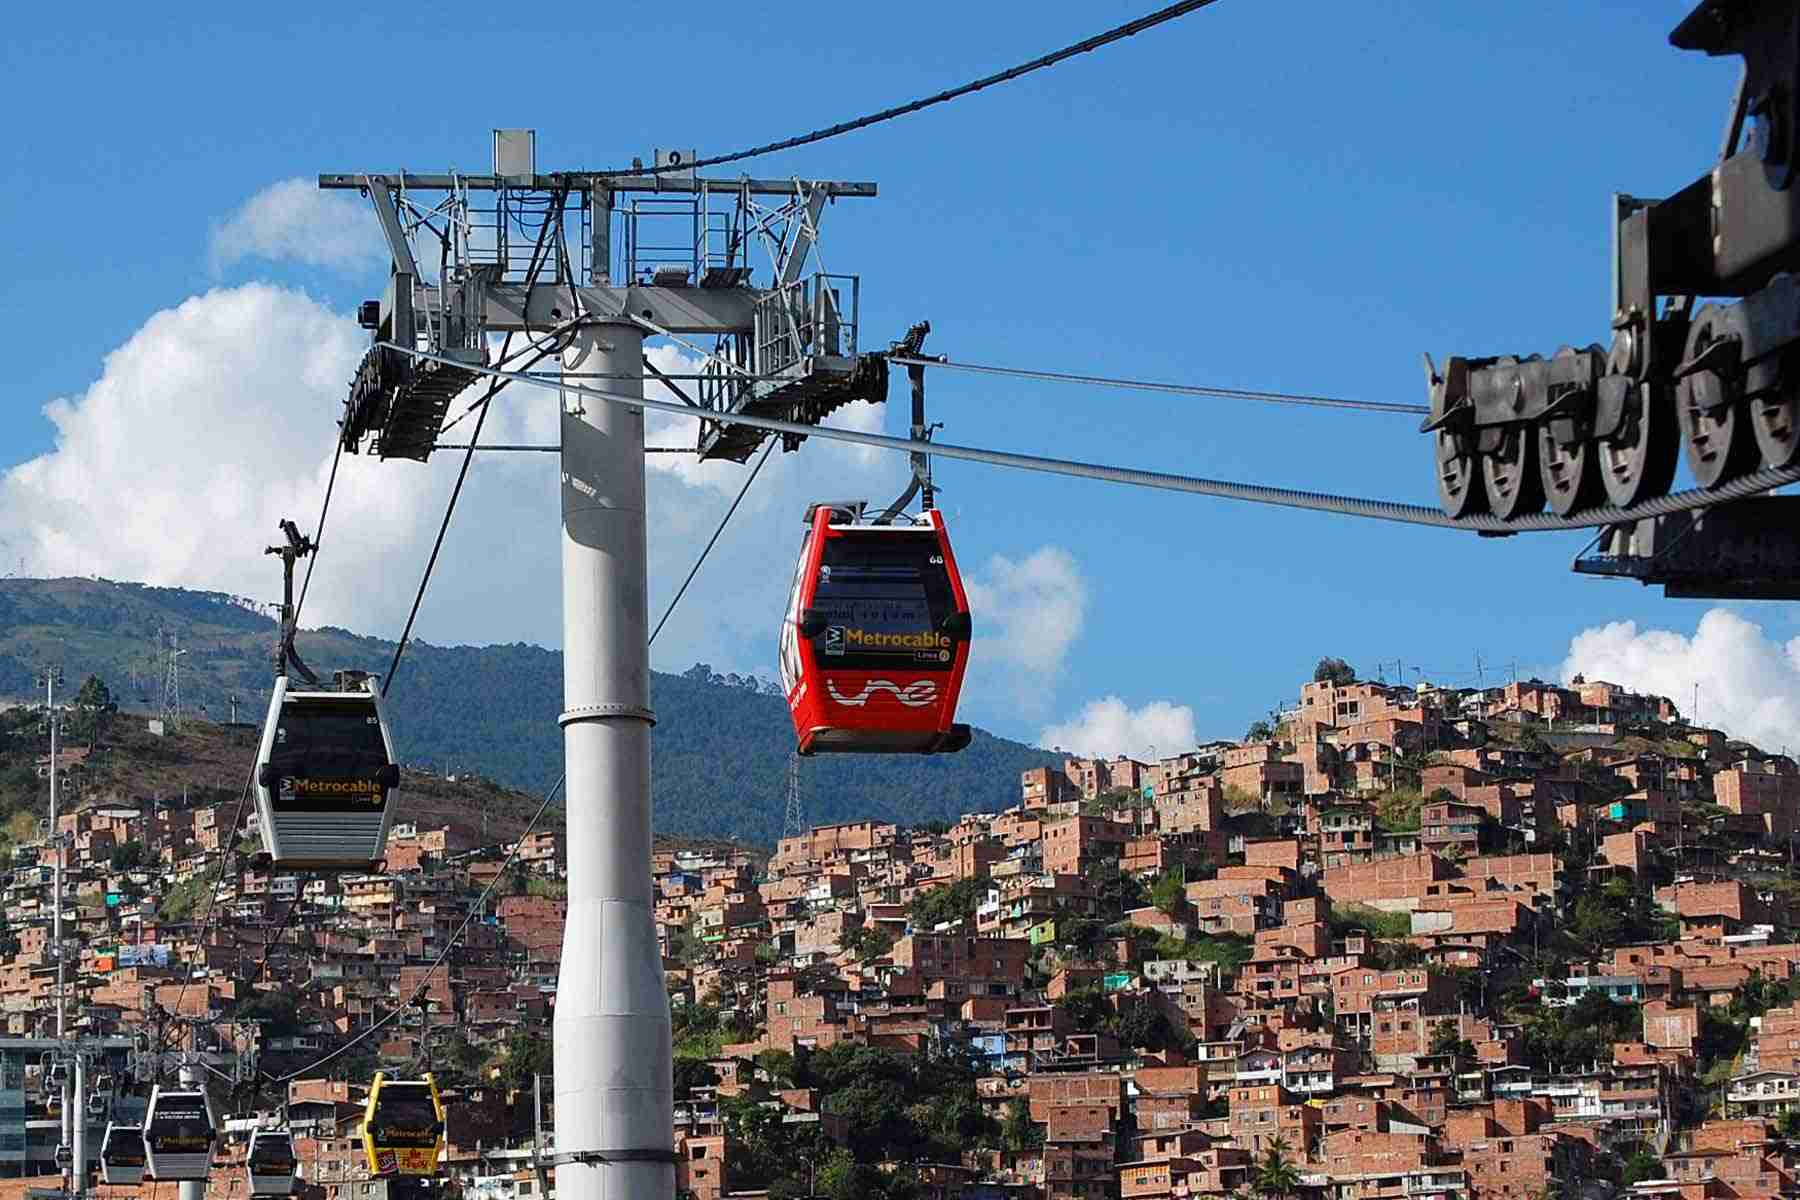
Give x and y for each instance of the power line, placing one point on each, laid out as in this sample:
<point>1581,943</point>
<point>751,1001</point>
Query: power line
<point>711,541</point>
<point>444,954</point>
<point>1351,506</point>
<point>1116,34</point>
<point>1180,389</point>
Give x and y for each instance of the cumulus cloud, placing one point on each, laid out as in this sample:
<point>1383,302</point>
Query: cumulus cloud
<point>1109,727</point>
<point>217,418</point>
<point>1028,612</point>
<point>294,221</point>
<point>1749,682</point>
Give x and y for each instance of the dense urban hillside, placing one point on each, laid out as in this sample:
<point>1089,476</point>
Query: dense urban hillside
<point>721,742</point>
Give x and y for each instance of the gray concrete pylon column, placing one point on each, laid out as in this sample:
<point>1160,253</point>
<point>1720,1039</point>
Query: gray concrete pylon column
<point>614,1088</point>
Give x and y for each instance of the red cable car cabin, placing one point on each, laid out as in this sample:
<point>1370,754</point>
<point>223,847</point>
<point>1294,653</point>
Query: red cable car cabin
<point>876,637</point>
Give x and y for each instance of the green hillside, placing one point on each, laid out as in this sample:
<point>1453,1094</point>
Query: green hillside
<point>721,745</point>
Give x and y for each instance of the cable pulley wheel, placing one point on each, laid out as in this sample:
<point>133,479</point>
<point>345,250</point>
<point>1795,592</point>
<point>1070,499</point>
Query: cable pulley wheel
<point>1510,471</point>
<point>1460,493</point>
<point>1775,417</point>
<point>1709,404</point>
<point>1567,462</point>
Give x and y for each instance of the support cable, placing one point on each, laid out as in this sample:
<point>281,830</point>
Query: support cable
<point>318,531</point>
<point>1752,484</point>
<point>711,541</point>
<point>1179,389</point>
<point>1116,34</point>
<point>212,905</point>
<point>499,380</point>
<point>443,955</point>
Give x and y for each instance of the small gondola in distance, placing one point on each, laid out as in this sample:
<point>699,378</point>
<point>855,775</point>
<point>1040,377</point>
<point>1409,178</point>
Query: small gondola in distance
<point>403,1126</point>
<point>875,640</point>
<point>326,777</point>
<point>270,1165</point>
<point>178,1134</point>
<point>122,1154</point>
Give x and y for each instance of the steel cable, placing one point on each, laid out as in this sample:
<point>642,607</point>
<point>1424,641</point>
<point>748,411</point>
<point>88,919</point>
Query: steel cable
<point>710,542</point>
<point>1116,34</point>
<point>443,955</point>
<point>1180,389</point>
<point>1354,506</point>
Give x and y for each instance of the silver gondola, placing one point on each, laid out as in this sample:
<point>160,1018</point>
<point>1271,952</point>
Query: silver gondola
<point>178,1134</point>
<point>326,776</point>
<point>270,1163</point>
<point>122,1154</point>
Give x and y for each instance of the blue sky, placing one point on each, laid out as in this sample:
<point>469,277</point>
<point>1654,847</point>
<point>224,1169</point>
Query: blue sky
<point>1300,198</point>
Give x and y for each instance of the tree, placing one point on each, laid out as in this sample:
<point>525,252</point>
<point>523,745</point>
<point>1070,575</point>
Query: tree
<point>1446,1038</point>
<point>1259,731</point>
<point>952,902</point>
<point>1334,671</point>
<point>1641,1166</point>
<point>1276,1175</point>
<point>1018,1131</point>
<point>691,1073</point>
<point>865,943</point>
<point>527,1055</point>
<point>93,705</point>
<point>1168,893</point>
<point>128,856</point>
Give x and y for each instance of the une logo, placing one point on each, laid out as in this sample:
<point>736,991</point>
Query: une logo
<point>916,694</point>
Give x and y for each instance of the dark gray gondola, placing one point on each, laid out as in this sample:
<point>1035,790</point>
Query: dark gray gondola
<point>178,1134</point>
<point>270,1164</point>
<point>122,1154</point>
<point>326,777</point>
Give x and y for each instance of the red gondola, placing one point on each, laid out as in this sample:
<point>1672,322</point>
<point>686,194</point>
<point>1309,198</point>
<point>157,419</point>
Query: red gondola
<point>876,637</point>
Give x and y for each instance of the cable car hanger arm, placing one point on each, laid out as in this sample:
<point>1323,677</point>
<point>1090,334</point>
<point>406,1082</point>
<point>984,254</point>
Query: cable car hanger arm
<point>1355,506</point>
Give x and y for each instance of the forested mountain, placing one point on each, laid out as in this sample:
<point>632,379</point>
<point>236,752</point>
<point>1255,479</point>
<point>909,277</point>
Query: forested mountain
<point>721,744</point>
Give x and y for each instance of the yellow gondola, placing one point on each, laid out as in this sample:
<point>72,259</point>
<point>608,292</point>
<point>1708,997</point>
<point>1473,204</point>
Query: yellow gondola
<point>403,1126</point>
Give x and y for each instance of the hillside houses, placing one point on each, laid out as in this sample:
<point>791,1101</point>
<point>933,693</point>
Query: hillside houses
<point>1418,942</point>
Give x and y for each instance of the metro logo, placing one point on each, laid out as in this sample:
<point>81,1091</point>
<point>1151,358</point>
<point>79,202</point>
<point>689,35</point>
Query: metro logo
<point>917,694</point>
<point>863,639</point>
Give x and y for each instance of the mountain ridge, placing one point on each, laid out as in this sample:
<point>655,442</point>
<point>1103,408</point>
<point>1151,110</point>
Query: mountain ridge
<point>720,748</point>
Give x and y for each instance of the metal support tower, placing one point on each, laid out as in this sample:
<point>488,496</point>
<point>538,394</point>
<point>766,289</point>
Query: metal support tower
<point>788,348</point>
<point>793,822</point>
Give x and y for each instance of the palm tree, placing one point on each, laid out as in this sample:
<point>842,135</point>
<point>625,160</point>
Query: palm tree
<point>1276,1175</point>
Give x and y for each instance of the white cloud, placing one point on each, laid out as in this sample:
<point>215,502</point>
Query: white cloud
<point>1109,727</point>
<point>294,221</point>
<point>1749,683</point>
<point>1027,614</point>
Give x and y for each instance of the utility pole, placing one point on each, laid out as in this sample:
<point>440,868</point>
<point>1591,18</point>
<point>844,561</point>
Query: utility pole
<point>788,349</point>
<point>50,678</point>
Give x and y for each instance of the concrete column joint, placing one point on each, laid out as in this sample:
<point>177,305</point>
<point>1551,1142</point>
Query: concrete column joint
<point>605,712</point>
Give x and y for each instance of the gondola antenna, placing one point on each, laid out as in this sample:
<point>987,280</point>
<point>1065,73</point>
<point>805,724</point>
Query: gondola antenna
<point>298,546</point>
